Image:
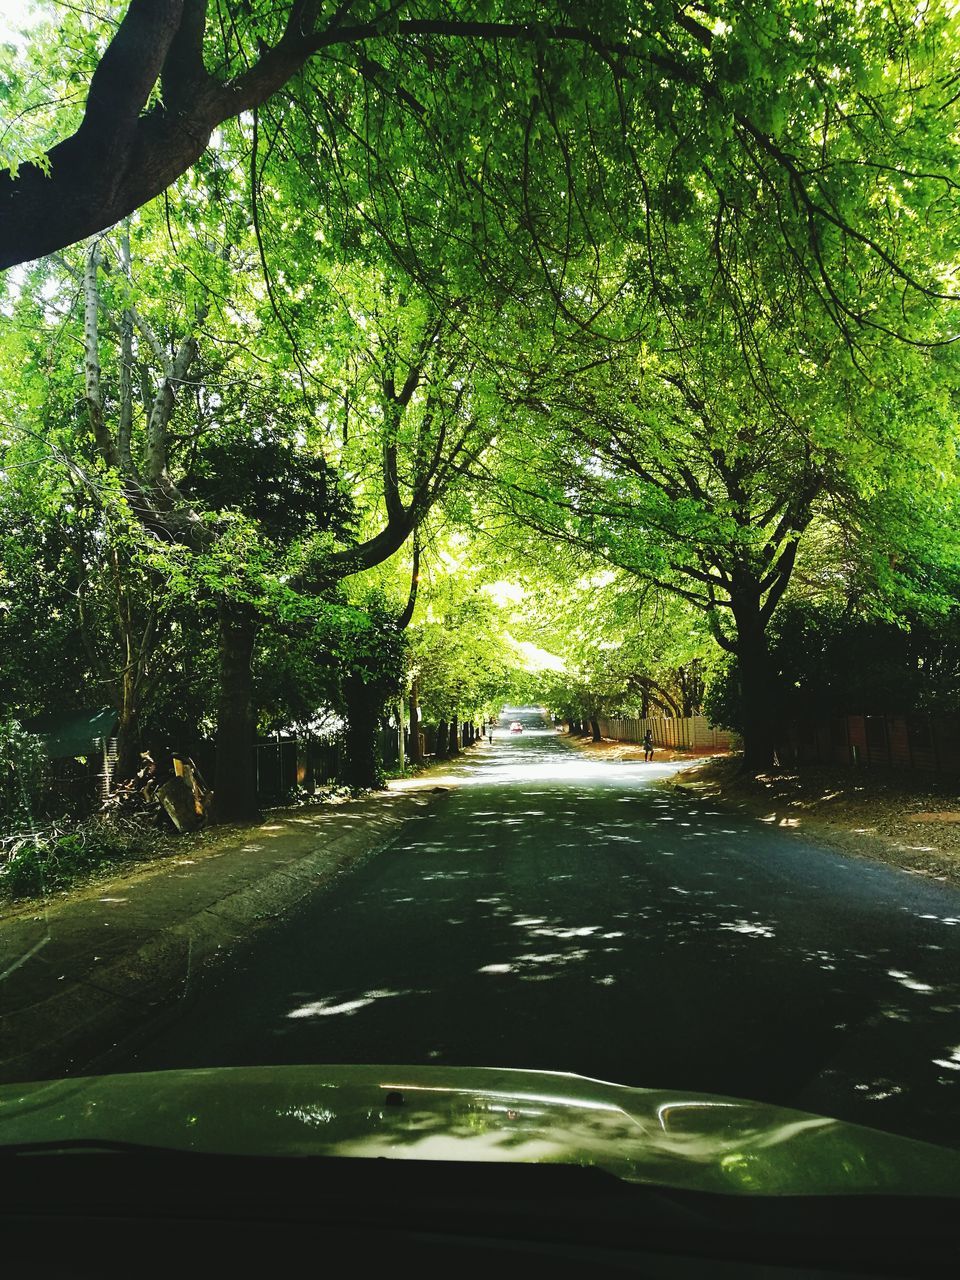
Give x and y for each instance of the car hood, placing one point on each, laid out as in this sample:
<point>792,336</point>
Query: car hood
<point>688,1141</point>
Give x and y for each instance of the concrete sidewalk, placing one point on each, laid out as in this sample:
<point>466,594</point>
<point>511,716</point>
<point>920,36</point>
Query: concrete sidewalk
<point>78,974</point>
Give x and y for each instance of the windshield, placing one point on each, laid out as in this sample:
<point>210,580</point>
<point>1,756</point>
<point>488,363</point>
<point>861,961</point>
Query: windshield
<point>478,585</point>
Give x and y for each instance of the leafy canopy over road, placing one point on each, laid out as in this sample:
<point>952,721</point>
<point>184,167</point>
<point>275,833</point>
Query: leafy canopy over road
<point>368,342</point>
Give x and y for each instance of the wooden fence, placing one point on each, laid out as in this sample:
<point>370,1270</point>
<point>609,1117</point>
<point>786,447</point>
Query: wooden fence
<point>283,765</point>
<point>929,742</point>
<point>693,733</point>
<point>288,765</point>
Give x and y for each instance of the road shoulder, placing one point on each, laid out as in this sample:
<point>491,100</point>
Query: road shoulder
<point>909,822</point>
<point>81,970</point>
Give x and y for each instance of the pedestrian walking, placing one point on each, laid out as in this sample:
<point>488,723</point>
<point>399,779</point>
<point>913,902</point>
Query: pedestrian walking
<point>648,745</point>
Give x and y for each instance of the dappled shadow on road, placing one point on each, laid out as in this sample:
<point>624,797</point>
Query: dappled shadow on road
<point>671,970</point>
<point>665,958</point>
<point>554,912</point>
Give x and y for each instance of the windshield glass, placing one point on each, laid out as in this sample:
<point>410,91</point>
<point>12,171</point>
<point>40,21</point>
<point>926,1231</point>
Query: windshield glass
<point>479,555</point>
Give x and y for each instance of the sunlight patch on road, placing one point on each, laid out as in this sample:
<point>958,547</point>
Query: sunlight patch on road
<point>911,983</point>
<point>749,928</point>
<point>534,966</point>
<point>878,1090</point>
<point>330,1007</point>
<point>928,915</point>
<point>558,932</point>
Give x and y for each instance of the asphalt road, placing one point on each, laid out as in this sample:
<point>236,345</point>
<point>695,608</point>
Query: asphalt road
<point>563,913</point>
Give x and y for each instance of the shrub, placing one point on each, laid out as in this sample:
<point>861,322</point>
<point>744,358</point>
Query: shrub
<point>50,859</point>
<point>22,762</point>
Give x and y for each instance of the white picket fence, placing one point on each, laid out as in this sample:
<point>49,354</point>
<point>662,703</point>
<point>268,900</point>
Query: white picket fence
<point>693,733</point>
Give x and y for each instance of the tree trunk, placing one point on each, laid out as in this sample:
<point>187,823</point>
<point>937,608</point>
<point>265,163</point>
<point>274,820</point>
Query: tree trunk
<point>416,755</point>
<point>401,739</point>
<point>595,729</point>
<point>442,745</point>
<point>128,733</point>
<point>235,789</point>
<point>363,768</point>
<point>687,700</point>
<point>756,692</point>
<point>454,749</point>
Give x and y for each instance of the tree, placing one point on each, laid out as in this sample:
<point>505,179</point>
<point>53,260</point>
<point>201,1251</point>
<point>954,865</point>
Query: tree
<point>464,661</point>
<point>829,659</point>
<point>700,467</point>
<point>621,650</point>
<point>692,273</point>
<point>842,117</point>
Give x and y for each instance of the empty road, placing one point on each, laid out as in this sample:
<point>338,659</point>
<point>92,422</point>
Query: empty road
<point>558,912</point>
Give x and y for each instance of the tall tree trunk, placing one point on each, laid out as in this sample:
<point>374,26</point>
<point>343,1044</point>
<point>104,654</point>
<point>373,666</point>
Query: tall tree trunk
<point>128,729</point>
<point>756,691</point>
<point>401,738</point>
<point>454,748</point>
<point>687,705</point>
<point>442,745</point>
<point>416,754</point>
<point>595,729</point>
<point>235,789</point>
<point>363,767</point>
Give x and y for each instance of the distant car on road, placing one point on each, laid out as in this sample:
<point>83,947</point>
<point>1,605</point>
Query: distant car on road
<point>516,727</point>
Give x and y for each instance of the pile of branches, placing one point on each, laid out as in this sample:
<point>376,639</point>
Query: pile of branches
<point>49,857</point>
<point>168,790</point>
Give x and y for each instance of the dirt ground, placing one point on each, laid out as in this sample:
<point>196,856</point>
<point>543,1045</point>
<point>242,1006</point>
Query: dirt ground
<point>911,820</point>
<point>607,749</point>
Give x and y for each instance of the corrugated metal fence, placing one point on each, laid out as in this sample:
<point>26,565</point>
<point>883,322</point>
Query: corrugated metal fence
<point>693,733</point>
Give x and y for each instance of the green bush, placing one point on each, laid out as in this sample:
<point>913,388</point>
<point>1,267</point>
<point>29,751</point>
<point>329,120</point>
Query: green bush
<point>50,859</point>
<point>22,762</point>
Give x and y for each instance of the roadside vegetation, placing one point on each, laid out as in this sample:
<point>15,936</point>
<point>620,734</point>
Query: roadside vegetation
<point>361,373</point>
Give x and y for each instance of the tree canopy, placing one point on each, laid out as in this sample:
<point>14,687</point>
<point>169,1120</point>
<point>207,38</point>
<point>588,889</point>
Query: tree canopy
<point>433,354</point>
